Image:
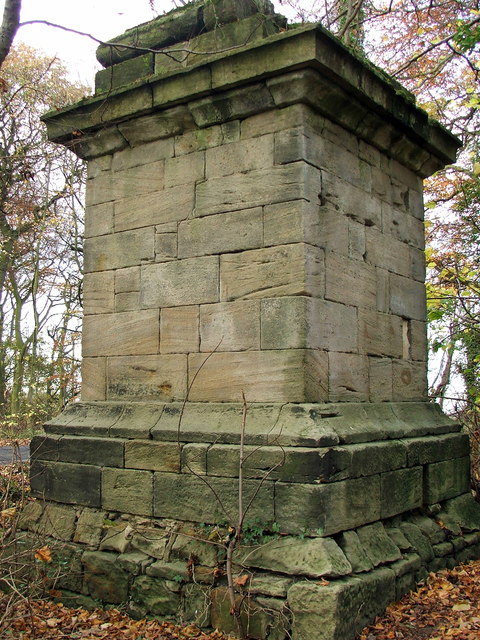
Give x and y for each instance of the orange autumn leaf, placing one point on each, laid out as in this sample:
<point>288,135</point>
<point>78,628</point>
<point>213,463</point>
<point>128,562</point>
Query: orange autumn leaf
<point>43,554</point>
<point>241,581</point>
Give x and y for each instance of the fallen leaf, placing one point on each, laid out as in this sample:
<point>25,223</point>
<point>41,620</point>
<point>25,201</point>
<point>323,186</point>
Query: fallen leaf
<point>43,554</point>
<point>241,581</point>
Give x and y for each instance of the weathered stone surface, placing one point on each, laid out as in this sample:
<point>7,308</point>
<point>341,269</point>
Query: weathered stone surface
<point>150,541</point>
<point>118,250</point>
<point>154,456</point>
<point>409,380</point>
<point>188,544</point>
<point>99,219</point>
<point>428,527</point>
<point>196,605</point>
<point>240,157</point>
<point>221,233</point>
<point>298,322</point>
<point>57,521</point>
<point>97,451</point>
<point>136,420</point>
<point>104,580</point>
<point>407,298</point>
<point>442,447</point>
<point>124,73</point>
<point>327,509</point>
<point>347,377</point>
<point>179,494</point>
<point>376,457</point>
<point>94,377</point>
<point>312,557</point>
<point>119,334</point>
<point>89,527</point>
<point>296,269</point>
<point>62,482</point>
<point>269,585</point>
<point>377,544</point>
<point>155,378</point>
<point>162,124</point>
<point>189,281</point>
<point>179,329</point>
<point>350,282</point>
<point>134,562</point>
<point>380,334</point>
<point>127,491</point>
<point>419,542</point>
<point>194,458</point>
<point>289,375</point>
<point>230,326</point>
<point>447,479</point>
<point>355,552</point>
<point>30,515</point>
<point>169,570</point>
<point>295,221</point>
<point>326,612</point>
<point>465,511</point>
<point>117,537</point>
<point>401,490</point>
<point>43,447</point>
<point>257,188</point>
<point>99,292</point>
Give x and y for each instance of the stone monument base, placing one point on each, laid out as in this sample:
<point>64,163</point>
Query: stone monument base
<point>349,506</point>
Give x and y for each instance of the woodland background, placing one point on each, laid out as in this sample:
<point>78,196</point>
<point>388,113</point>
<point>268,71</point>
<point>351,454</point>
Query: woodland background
<point>432,47</point>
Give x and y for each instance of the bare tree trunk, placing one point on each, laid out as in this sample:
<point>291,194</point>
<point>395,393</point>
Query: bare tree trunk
<point>10,22</point>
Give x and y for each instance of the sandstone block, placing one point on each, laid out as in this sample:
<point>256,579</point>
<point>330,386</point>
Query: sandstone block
<point>296,269</point>
<point>350,282</point>
<point>169,205</point>
<point>62,482</point>
<point>347,377</point>
<point>418,340</point>
<point>89,527</point>
<point>376,457</point>
<point>289,375</point>
<point>437,449</point>
<point>294,221</point>
<point>185,169</point>
<point>312,557</point>
<point>446,479</point>
<point>194,458</point>
<point>377,544</point>
<point>236,103</point>
<point>355,552</point>
<point>221,233</point>
<point>465,511</point>
<point>240,157</point>
<point>127,491</point>
<point>380,334</point>
<point>44,447</point>
<point>419,542</point>
<point>119,250</point>
<point>327,509</point>
<point>201,139</point>
<point>230,326</point>
<point>179,494</point>
<point>94,377</point>
<point>103,578</point>
<point>157,378</point>
<point>129,333</point>
<point>57,521</point>
<point>162,124</point>
<point>141,155</point>
<point>401,490</point>
<point>257,188</point>
<point>380,379</point>
<point>409,380</point>
<point>136,420</point>
<point>99,219</point>
<point>179,329</point>
<point>98,290</point>
<point>182,282</point>
<point>150,541</point>
<point>97,165</point>
<point>154,456</point>
<point>407,298</point>
<point>165,246</point>
<point>298,322</point>
<point>352,201</point>
<point>388,253</point>
<point>292,116</point>
<point>98,451</point>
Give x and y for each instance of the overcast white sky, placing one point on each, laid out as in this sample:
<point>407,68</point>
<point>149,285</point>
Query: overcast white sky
<point>104,19</point>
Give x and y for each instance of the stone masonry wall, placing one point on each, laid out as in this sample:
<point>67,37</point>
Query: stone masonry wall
<point>278,241</point>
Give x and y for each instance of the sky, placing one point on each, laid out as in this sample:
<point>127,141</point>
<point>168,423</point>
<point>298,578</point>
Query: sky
<point>103,19</point>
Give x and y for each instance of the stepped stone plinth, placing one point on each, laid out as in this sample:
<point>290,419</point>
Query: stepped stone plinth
<point>254,225</point>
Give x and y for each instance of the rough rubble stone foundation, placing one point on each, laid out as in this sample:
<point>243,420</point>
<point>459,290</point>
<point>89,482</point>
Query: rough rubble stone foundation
<point>254,224</point>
